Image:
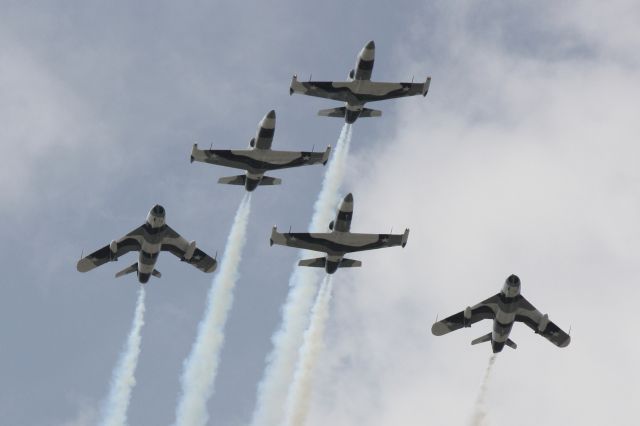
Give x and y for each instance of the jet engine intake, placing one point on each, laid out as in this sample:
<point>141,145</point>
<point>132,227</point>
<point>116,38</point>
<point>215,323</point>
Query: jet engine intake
<point>113,247</point>
<point>331,225</point>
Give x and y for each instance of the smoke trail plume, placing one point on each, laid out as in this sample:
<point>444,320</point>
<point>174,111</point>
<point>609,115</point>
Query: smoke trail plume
<point>201,367</point>
<point>272,390</point>
<point>123,380</point>
<point>480,413</point>
<point>297,405</point>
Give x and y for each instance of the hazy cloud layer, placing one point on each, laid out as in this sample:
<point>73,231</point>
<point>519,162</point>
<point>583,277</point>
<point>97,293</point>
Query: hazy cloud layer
<point>521,159</point>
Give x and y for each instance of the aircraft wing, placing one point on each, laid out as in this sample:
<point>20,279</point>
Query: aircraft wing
<point>274,160</point>
<point>540,324</point>
<point>351,242</point>
<point>331,242</point>
<point>338,91</point>
<point>302,240</point>
<point>483,310</point>
<point>187,251</point>
<point>358,91</point>
<point>130,242</point>
<point>369,91</point>
<point>237,159</point>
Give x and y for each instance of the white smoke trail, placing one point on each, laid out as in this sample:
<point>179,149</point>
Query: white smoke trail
<point>123,379</point>
<point>272,390</point>
<point>201,367</point>
<point>480,413</point>
<point>297,405</point>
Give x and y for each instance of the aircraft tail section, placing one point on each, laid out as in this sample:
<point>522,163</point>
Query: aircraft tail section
<point>318,262</point>
<point>134,268</point>
<point>242,180</point>
<point>482,339</point>
<point>368,112</point>
<point>487,338</point>
<point>321,262</point>
<point>350,263</point>
<point>233,180</point>
<point>340,112</point>
<point>333,112</point>
<point>128,270</point>
<point>268,180</point>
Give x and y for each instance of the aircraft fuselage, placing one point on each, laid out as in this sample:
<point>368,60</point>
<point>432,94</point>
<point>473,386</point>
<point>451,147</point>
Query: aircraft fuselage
<point>506,315</point>
<point>361,72</point>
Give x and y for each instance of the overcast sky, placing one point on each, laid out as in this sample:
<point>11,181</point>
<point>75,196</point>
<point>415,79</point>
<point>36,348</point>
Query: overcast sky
<point>523,158</point>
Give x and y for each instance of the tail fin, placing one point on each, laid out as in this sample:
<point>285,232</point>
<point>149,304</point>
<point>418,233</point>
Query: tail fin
<point>350,263</point>
<point>128,270</point>
<point>333,112</point>
<point>318,262</point>
<point>233,180</point>
<point>268,180</point>
<point>367,112</point>
<point>242,179</point>
<point>482,339</point>
<point>134,268</point>
<point>340,112</point>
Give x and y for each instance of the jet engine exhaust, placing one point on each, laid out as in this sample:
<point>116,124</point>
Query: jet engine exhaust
<point>480,412</point>
<point>299,396</point>
<point>114,411</point>
<point>287,340</point>
<point>201,366</point>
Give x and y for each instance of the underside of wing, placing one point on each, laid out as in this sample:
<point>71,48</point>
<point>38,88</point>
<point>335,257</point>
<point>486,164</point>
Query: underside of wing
<point>237,159</point>
<point>338,91</point>
<point>371,91</point>
<point>353,242</point>
<point>187,252</point>
<point>274,160</point>
<point>541,324</point>
<point>471,315</point>
<point>302,240</point>
<point>111,252</point>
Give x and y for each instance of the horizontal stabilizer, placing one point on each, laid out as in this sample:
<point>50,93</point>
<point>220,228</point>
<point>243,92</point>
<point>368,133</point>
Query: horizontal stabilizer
<point>233,180</point>
<point>156,273</point>
<point>367,112</point>
<point>511,344</point>
<point>268,180</point>
<point>128,270</point>
<point>333,112</point>
<point>482,339</point>
<point>318,262</point>
<point>350,263</point>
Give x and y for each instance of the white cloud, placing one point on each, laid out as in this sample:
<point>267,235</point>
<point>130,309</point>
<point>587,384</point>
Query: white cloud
<point>526,166</point>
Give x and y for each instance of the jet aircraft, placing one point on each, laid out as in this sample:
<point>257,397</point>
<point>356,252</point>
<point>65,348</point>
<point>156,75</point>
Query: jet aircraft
<point>149,240</point>
<point>338,242</point>
<point>259,158</point>
<point>504,309</point>
<point>358,90</point>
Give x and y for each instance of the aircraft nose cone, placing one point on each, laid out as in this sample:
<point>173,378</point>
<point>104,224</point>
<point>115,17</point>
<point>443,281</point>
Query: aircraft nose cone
<point>371,45</point>
<point>269,120</point>
<point>349,198</point>
<point>513,279</point>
